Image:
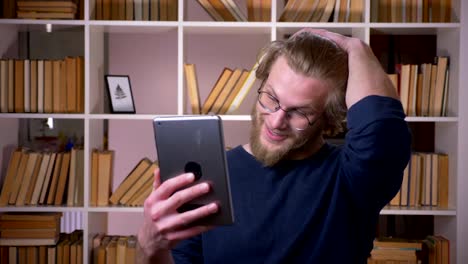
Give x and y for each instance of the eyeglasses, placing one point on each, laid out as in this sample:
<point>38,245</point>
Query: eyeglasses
<point>297,119</point>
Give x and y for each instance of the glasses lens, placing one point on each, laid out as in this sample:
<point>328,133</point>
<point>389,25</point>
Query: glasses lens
<point>298,120</point>
<point>268,102</point>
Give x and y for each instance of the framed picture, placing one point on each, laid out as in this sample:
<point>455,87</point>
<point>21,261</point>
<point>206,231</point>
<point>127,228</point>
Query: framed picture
<point>120,94</point>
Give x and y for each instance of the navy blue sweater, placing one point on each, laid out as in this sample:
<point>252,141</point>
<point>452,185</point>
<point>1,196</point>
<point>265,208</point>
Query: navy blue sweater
<point>322,209</point>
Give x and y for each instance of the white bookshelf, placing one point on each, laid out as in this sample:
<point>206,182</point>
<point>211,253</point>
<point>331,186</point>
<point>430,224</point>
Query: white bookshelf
<point>153,53</point>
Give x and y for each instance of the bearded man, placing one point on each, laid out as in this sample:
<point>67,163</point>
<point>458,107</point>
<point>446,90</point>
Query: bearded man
<point>296,198</point>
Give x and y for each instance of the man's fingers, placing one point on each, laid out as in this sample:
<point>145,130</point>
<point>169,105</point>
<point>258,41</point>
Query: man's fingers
<point>182,220</point>
<point>167,188</point>
<point>157,179</point>
<point>179,198</point>
<point>163,190</point>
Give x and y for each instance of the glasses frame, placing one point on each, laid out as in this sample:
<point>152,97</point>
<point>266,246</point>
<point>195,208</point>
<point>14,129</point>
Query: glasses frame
<point>278,107</point>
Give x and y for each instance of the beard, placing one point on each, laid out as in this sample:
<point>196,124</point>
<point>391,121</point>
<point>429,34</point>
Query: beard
<point>294,144</point>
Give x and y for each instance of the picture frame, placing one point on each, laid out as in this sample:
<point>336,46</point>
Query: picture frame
<point>120,94</point>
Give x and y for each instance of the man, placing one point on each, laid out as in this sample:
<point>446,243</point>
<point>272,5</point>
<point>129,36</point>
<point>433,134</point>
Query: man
<point>296,198</point>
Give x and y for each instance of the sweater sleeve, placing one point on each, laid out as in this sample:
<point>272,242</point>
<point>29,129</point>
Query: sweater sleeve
<point>188,251</point>
<point>377,150</point>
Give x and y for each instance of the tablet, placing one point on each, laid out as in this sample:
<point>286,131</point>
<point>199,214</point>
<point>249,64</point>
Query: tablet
<point>196,144</point>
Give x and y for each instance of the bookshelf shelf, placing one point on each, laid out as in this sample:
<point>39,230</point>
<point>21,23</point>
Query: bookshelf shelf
<point>116,209</point>
<point>397,210</point>
<point>41,209</point>
<point>152,53</point>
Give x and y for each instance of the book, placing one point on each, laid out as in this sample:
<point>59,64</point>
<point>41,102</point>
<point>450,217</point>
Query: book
<point>27,86</point>
<point>192,87</point>
<point>48,86</point>
<point>11,86</point>
<point>227,89</point>
<point>40,86</point>
<point>18,178</point>
<point>222,10</point>
<point>19,86</point>
<point>19,216</point>
<point>130,180</point>
<point>94,177</point>
<point>57,88</point>
<point>47,179</point>
<point>35,175</point>
<point>121,250</point>
<point>145,177</point>
<point>3,86</point>
<point>26,178</point>
<point>290,11</point>
<point>52,189</point>
<point>235,90</point>
<point>33,86</point>
<point>216,90</point>
<point>10,178</point>
<point>209,8</point>
<point>243,91</point>
<point>234,9</point>
<point>45,15</point>
<point>29,233</point>
<point>140,196</point>
<point>328,11</point>
<point>130,254</point>
<point>442,65</point>
<point>443,186</point>
<point>105,175</point>
<point>71,85</point>
<point>29,224</point>
<point>63,178</point>
<point>78,198</point>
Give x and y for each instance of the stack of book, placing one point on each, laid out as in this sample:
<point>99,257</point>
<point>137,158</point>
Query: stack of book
<point>113,249</point>
<point>42,86</point>
<point>45,178</point>
<point>47,9</point>
<point>29,229</point>
<point>397,11</point>
<point>396,251</point>
<point>425,181</point>
<point>323,11</point>
<point>102,173</point>
<point>226,95</point>
<point>136,186</point>
<point>68,249</point>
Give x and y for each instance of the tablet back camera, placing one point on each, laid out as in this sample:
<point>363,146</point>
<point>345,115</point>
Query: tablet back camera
<point>194,168</point>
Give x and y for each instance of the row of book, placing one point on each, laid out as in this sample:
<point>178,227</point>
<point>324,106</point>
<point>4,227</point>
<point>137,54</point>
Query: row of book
<point>146,10</point>
<point>46,9</point>
<point>323,11</point>
<point>42,86</point>
<point>113,249</point>
<point>423,88</point>
<point>229,10</point>
<point>68,249</point>
<point>102,172</point>
<point>44,178</point>
<point>227,93</point>
<point>405,11</point>
<point>434,249</point>
<point>138,184</point>
<point>29,229</point>
<point>425,181</point>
